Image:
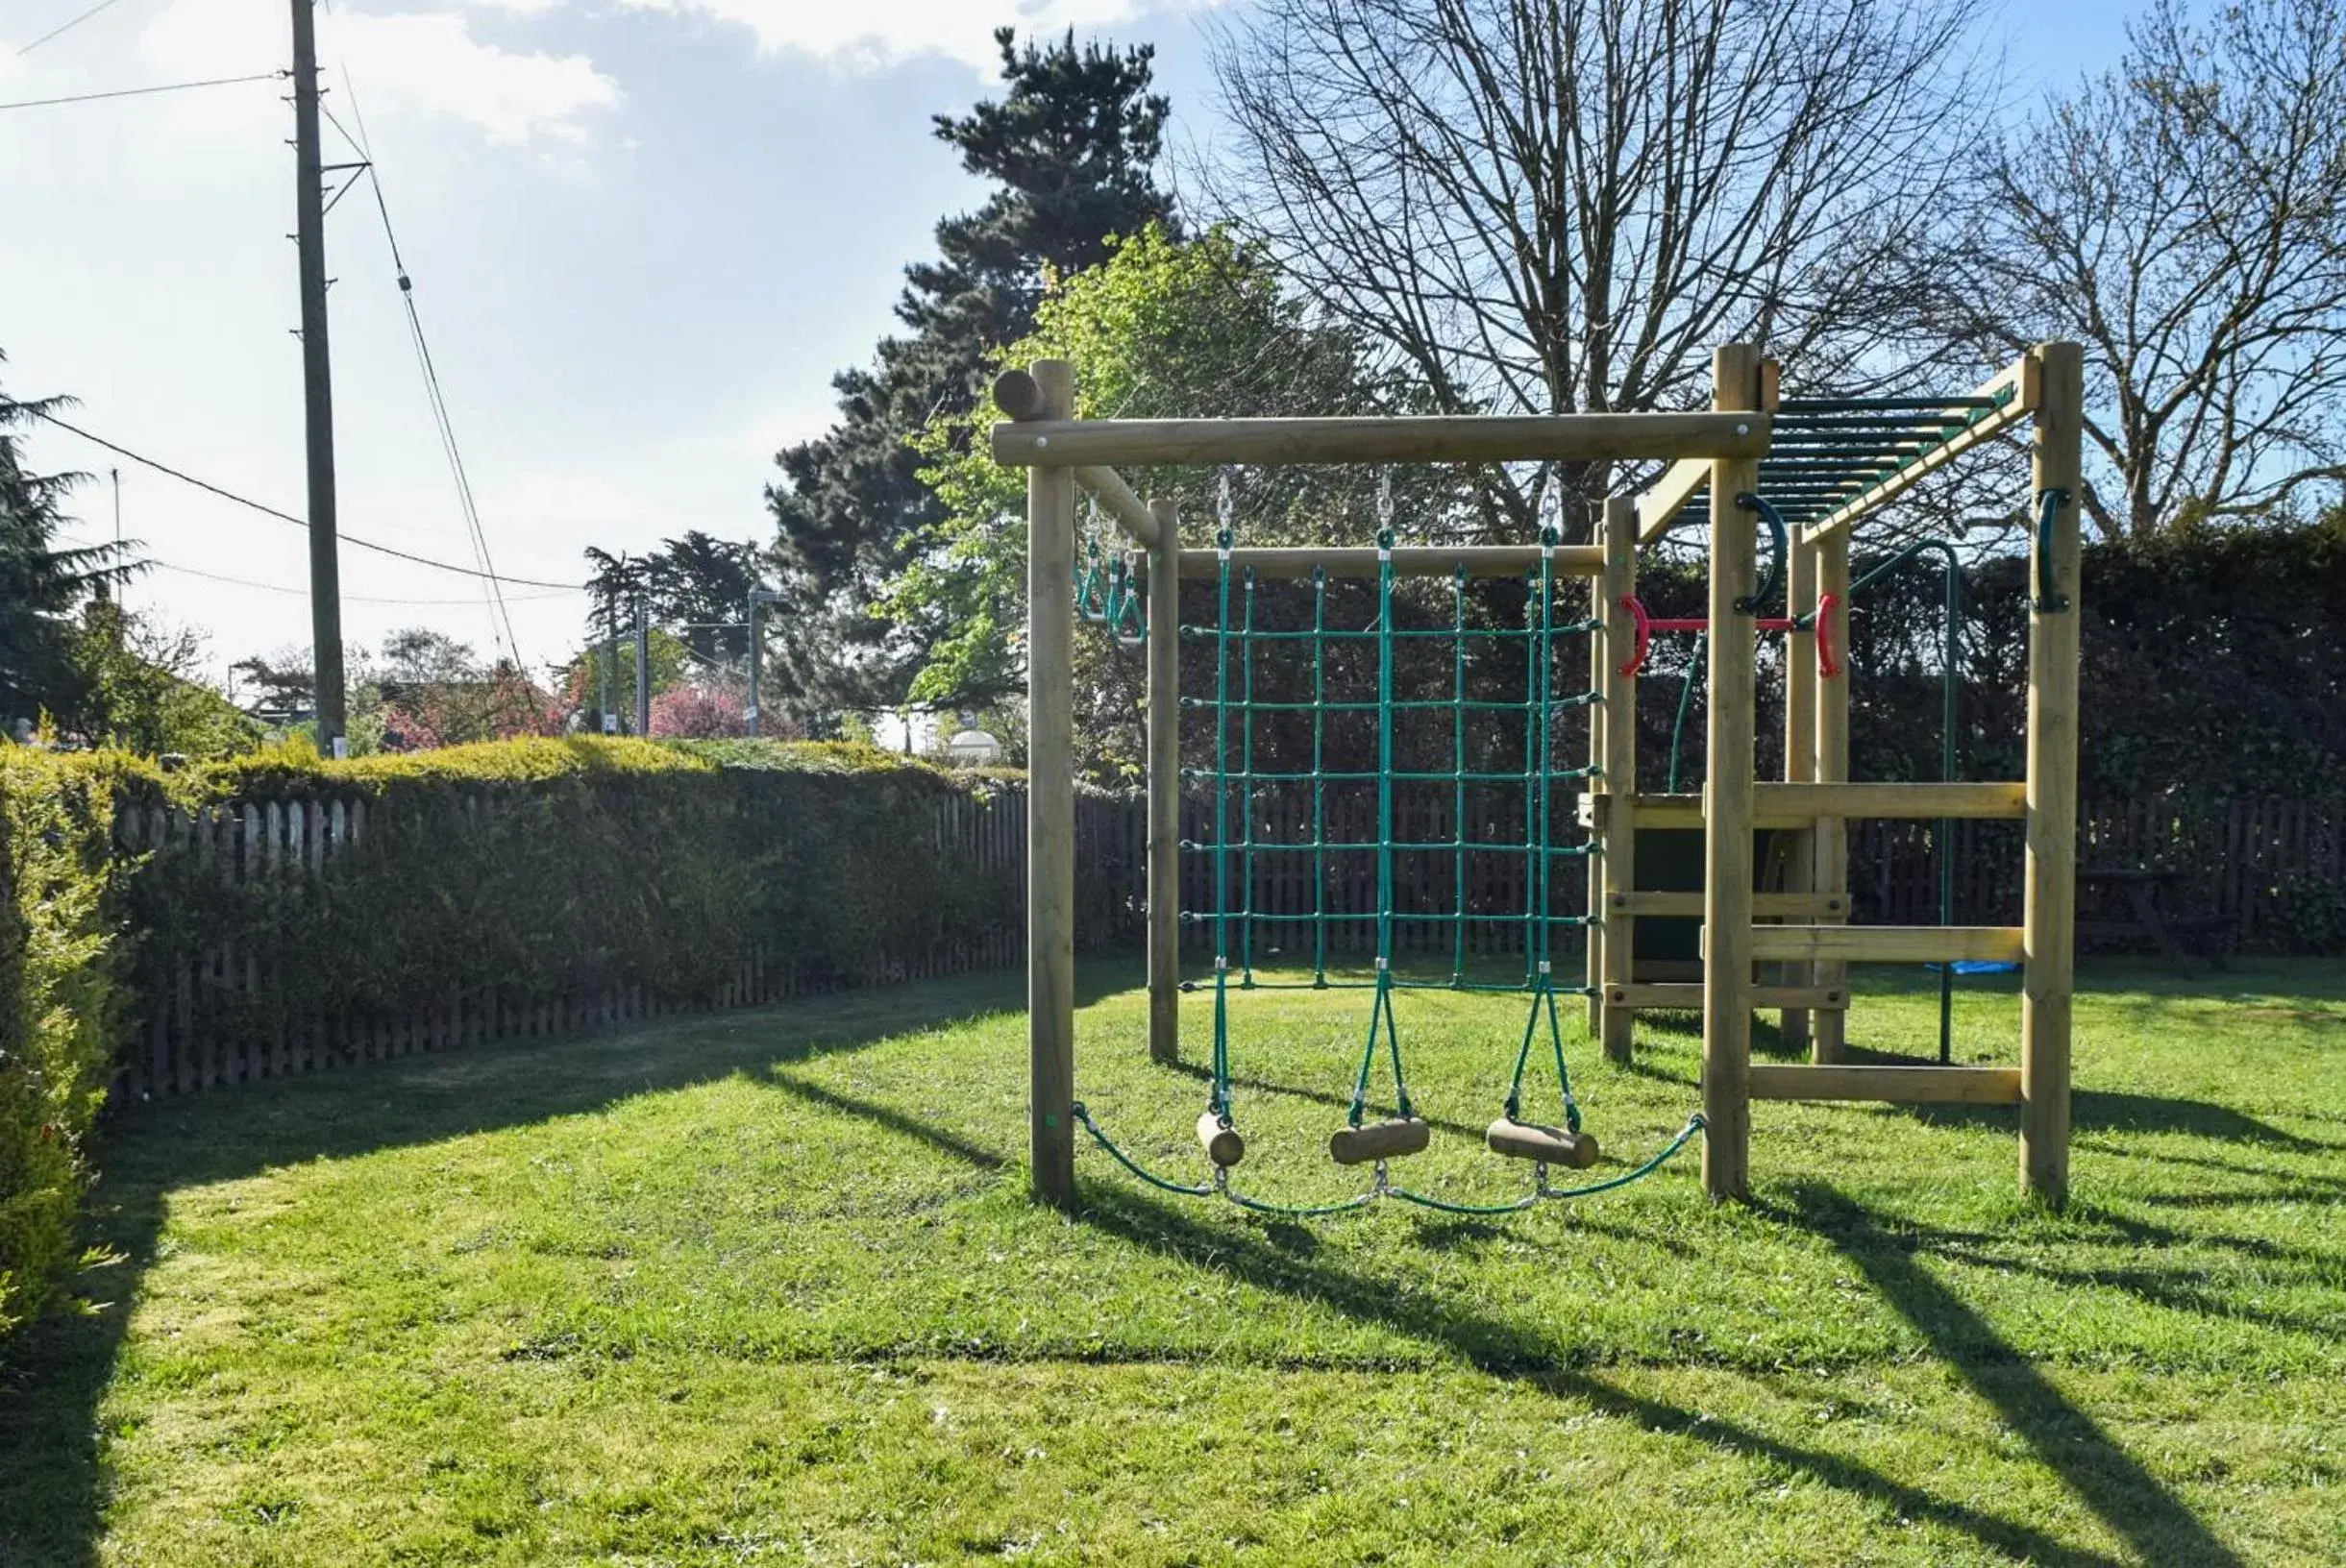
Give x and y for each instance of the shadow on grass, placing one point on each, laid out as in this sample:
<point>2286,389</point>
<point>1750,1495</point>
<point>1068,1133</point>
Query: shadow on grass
<point>1278,1260</point>
<point>54,1489</point>
<point>2108,1111</point>
<point>2125,1496</point>
<point>1505,1349</point>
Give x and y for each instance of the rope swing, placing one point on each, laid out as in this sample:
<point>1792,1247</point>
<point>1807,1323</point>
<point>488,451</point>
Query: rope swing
<point>1232,855</point>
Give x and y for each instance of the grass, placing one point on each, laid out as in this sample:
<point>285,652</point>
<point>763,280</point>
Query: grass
<point>763,1287</point>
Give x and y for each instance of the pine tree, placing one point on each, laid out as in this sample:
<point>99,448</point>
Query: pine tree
<point>1071,143</point>
<point>39,585</point>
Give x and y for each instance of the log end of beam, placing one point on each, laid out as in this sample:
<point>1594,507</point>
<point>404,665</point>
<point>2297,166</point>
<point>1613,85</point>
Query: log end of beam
<point>1018,395</point>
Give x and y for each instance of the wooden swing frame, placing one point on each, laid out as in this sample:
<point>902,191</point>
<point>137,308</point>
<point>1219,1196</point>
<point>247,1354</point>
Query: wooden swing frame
<point>1720,452</point>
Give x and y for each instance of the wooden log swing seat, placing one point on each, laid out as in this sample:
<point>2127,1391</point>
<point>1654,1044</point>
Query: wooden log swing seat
<point>1808,471</point>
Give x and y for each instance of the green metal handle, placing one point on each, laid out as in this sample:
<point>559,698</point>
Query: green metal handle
<point>1778,537</point>
<point>2049,600</point>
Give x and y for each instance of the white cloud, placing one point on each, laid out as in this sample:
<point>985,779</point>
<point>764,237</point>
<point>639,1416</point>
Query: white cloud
<point>872,34</point>
<point>432,62</point>
<point>425,64</point>
<point>769,433</point>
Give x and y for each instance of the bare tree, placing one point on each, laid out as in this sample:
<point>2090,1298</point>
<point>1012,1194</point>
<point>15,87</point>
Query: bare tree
<point>2185,217</point>
<point>1552,205</point>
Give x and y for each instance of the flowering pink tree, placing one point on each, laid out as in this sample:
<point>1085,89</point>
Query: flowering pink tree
<point>501,706</point>
<point>702,711</point>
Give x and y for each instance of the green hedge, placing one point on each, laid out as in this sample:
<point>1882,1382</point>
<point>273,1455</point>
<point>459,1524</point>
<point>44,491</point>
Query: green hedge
<point>534,871</point>
<point>503,875</point>
<point>63,1008</point>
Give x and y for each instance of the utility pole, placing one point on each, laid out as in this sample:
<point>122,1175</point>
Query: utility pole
<point>317,382</point>
<point>758,597</point>
<point>607,656</point>
<point>643,666</point>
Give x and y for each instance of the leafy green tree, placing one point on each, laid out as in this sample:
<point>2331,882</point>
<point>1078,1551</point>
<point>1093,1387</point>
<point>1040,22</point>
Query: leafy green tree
<point>700,587</point>
<point>1164,328</point>
<point>603,667</point>
<point>142,690</point>
<point>40,584</point>
<point>1071,143</point>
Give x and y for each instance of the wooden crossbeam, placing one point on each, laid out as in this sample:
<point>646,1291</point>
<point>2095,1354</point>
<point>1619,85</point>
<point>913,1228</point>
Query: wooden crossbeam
<point>1885,943</point>
<point>1116,499</point>
<point>1687,997</point>
<point>1434,438</point>
<point>1668,495</point>
<point>1678,811</point>
<point>1408,561</point>
<point>1904,1086</point>
<point>2004,799</point>
<point>1778,805</point>
<point>1767,906</point>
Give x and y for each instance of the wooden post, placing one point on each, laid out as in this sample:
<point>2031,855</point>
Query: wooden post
<point>1799,742</point>
<point>1829,764</point>
<point>1050,808</point>
<point>1729,758</point>
<point>2050,908</point>
<point>1620,785</point>
<point>1165,786</point>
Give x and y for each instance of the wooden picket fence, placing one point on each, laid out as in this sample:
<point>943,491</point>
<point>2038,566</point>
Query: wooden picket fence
<point>2237,862</point>
<point>198,1035</point>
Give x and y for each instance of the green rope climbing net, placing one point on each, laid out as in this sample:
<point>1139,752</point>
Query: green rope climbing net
<point>1232,852</point>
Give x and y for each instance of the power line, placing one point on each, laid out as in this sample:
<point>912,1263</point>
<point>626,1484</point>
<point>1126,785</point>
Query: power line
<point>501,623</point>
<point>139,92</point>
<point>65,27</point>
<point>351,599</point>
<point>267,510</point>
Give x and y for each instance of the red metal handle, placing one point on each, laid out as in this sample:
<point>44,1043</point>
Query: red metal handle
<point>1644,633</point>
<point>1827,666</point>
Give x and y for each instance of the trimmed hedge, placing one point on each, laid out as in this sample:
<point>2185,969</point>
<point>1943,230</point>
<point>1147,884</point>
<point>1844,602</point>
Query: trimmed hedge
<point>537,871</point>
<point>63,1007</point>
<point>506,875</point>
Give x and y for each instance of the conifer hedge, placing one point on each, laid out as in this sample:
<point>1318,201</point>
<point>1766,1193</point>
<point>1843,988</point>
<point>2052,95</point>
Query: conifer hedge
<point>63,1004</point>
<point>519,872</point>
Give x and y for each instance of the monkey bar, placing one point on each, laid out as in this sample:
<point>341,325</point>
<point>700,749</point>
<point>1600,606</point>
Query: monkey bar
<point>1831,462</point>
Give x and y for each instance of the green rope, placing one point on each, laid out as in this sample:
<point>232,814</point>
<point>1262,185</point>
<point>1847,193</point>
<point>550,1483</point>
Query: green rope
<point>1458,769</point>
<point>1320,816</point>
<point>1099,1134</point>
<point>1543,992</point>
<point>1686,697</point>
<point>1128,618</point>
<point>1551,1194</point>
<point>1219,1103</point>
<point>1380,1010</point>
<point>1219,1186</point>
<point>1246,800</point>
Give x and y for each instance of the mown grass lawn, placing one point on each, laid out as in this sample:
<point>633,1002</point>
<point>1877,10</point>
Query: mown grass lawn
<point>764,1287</point>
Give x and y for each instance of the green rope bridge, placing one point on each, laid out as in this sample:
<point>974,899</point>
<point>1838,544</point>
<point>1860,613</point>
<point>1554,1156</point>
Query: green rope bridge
<point>1107,597</point>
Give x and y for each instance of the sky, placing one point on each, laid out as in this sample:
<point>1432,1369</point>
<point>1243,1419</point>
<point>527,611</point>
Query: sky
<point>642,234</point>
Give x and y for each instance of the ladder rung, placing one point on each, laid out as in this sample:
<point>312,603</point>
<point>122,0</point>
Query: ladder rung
<point>1910,1085</point>
<point>1885,943</point>
<point>1689,997</point>
<point>1781,805</point>
<point>1997,799</point>
<point>1774,906</point>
